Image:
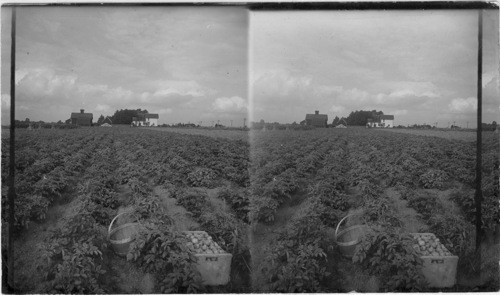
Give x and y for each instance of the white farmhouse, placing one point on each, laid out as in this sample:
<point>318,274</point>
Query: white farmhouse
<point>385,121</point>
<point>145,120</point>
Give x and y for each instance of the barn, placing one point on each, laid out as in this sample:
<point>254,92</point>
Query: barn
<point>317,119</point>
<point>81,118</point>
<point>145,120</point>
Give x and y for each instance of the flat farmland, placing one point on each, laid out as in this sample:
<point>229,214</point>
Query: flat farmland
<point>70,184</point>
<point>303,183</point>
<point>272,199</point>
<point>465,135</point>
<point>232,134</point>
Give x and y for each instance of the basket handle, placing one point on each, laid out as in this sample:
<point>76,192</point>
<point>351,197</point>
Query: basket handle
<point>342,220</point>
<point>112,221</point>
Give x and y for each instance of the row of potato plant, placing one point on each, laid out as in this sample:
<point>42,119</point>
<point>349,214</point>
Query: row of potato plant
<point>74,250</point>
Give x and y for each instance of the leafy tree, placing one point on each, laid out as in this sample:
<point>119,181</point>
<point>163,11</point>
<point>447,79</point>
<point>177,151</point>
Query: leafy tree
<point>336,121</point>
<point>125,116</point>
<point>100,120</point>
<point>489,127</point>
<point>360,118</point>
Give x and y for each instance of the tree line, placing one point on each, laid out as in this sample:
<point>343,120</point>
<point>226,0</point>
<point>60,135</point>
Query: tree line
<point>123,116</point>
<point>357,118</point>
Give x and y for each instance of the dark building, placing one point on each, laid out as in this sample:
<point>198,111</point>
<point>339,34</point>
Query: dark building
<point>317,119</point>
<point>81,118</point>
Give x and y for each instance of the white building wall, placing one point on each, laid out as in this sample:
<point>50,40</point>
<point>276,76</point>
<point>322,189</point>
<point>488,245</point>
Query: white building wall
<point>388,123</point>
<point>152,121</point>
<point>137,123</point>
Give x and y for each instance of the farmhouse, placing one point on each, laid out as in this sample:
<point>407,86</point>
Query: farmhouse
<point>81,118</point>
<point>145,120</point>
<point>316,119</point>
<point>386,121</point>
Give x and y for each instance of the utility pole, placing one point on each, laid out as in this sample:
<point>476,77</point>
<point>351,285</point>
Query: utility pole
<point>244,122</point>
<point>12,152</point>
<point>479,193</point>
<point>231,123</point>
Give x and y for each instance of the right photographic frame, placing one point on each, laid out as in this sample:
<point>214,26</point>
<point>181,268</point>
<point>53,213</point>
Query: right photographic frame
<point>373,142</point>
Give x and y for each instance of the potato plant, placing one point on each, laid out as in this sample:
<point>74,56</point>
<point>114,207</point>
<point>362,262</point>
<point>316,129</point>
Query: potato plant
<point>275,174</point>
<point>391,255</point>
<point>297,261</point>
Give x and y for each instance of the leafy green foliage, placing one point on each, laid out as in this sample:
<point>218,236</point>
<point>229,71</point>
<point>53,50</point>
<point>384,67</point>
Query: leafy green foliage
<point>381,212</point>
<point>426,205</point>
<point>330,202</point>
<point>49,163</point>
<point>162,251</point>
<point>74,257</point>
<point>433,178</point>
<point>490,207</point>
<point>391,256</point>
<point>453,231</point>
<point>203,177</point>
<point>194,201</point>
<point>297,261</point>
<point>360,118</point>
<point>125,116</point>
<point>237,200</point>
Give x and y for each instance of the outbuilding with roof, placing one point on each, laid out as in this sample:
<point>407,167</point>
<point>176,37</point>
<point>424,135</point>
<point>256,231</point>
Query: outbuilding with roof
<point>317,119</point>
<point>82,118</point>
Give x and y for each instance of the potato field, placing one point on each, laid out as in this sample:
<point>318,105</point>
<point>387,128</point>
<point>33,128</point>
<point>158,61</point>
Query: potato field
<point>272,199</point>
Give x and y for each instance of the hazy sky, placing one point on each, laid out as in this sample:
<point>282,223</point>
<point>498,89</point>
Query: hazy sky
<point>191,64</point>
<point>188,64</point>
<point>420,66</point>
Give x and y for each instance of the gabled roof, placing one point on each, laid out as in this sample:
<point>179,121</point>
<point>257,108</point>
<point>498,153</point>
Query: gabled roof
<point>318,120</point>
<point>316,117</point>
<point>82,116</point>
<point>143,117</point>
<point>386,117</point>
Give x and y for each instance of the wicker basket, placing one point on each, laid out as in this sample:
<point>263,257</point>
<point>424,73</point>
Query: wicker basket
<point>348,238</point>
<point>121,236</point>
